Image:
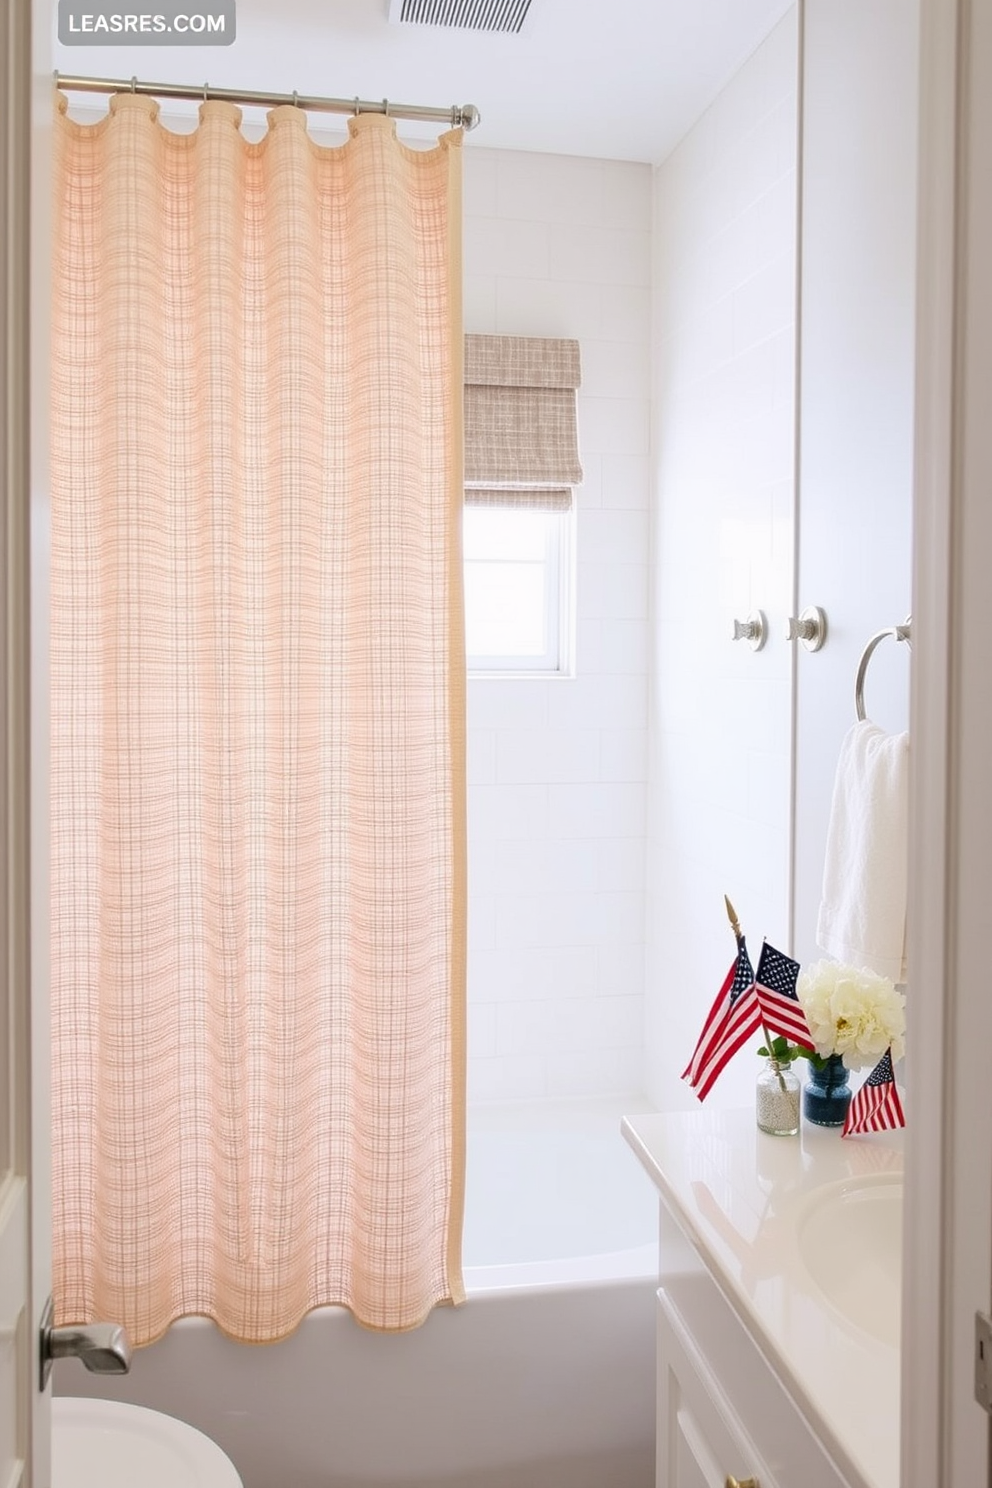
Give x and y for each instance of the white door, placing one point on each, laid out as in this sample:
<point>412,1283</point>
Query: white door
<point>855,504</point>
<point>19,1305</point>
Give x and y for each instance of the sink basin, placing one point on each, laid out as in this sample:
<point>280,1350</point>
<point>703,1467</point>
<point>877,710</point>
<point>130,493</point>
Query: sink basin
<point>850,1241</point>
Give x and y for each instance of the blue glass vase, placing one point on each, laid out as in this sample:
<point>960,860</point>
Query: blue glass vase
<point>827,1092</point>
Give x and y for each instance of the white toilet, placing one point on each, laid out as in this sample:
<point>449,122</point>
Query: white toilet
<point>107,1444</point>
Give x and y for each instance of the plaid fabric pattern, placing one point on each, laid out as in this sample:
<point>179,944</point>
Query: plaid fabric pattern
<point>534,498</point>
<point>258,837</point>
<point>522,361</point>
<point>520,415</point>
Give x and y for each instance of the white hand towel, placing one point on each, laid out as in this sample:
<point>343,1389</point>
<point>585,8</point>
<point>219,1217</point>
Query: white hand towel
<point>863,911</point>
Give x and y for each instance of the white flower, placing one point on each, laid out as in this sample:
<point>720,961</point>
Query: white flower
<point>852,1012</point>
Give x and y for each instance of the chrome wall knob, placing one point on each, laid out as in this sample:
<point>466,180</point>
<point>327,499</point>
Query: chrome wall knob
<point>810,628</point>
<point>754,630</point>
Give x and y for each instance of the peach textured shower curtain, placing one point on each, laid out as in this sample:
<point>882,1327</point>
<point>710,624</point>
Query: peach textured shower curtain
<point>258,898</point>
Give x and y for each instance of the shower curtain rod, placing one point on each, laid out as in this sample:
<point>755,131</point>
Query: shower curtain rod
<point>464,114</point>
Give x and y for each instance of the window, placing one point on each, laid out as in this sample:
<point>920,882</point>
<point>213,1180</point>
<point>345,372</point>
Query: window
<point>518,571</point>
<point>521,461</point>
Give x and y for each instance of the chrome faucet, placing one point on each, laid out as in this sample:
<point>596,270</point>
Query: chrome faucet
<point>103,1348</point>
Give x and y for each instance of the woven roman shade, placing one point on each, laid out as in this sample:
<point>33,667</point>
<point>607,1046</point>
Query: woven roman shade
<point>520,420</point>
<point>535,498</point>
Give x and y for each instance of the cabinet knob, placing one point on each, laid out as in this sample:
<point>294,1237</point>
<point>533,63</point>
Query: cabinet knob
<point>810,628</point>
<point>733,1482</point>
<point>754,630</point>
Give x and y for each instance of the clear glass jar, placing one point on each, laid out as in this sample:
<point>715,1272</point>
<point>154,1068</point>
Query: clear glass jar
<point>777,1099</point>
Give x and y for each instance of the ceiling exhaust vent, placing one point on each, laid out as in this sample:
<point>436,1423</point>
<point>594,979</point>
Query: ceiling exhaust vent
<point>472,15</point>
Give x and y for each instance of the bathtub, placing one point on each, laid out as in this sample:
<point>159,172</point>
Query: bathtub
<point>543,1379</point>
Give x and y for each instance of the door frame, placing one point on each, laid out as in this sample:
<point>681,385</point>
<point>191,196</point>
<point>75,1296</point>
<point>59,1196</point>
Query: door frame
<point>29,1288</point>
<point>947,1260</point>
<point>37,72</point>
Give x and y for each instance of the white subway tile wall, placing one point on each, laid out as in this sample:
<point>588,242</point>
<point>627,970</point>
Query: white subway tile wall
<point>558,767</point>
<point>723,390</point>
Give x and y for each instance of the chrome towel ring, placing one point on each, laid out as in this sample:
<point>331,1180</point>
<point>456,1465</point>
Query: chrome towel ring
<point>898,633</point>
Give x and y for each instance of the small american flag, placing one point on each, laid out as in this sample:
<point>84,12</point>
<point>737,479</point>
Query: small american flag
<point>775,985</point>
<point>733,1018</point>
<point>876,1106</point>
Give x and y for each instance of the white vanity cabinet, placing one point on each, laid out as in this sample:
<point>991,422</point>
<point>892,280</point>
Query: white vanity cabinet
<point>722,1414</point>
<point>762,1375</point>
<point>699,1435</point>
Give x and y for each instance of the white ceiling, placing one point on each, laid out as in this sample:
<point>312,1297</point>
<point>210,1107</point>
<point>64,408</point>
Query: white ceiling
<point>617,79</point>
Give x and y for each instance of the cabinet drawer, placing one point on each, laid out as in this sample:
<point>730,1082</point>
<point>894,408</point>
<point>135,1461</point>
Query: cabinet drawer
<point>700,1438</point>
<point>720,1403</point>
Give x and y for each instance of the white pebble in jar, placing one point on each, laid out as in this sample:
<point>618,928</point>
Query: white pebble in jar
<point>777,1100</point>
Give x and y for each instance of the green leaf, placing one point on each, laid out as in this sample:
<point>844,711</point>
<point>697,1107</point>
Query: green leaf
<point>815,1059</point>
<point>781,1050</point>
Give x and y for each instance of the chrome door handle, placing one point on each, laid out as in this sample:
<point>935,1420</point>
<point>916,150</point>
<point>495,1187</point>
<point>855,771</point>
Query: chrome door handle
<point>103,1348</point>
<point>811,629</point>
<point>754,630</point>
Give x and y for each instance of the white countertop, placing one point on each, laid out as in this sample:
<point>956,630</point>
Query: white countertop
<point>740,1197</point>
